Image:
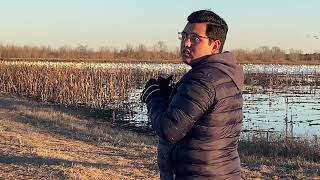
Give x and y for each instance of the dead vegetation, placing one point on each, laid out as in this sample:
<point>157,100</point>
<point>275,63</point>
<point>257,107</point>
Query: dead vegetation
<point>42,142</point>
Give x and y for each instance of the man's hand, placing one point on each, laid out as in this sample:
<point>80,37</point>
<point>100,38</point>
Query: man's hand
<point>160,87</point>
<point>151,89</point>
<point>165,85</point>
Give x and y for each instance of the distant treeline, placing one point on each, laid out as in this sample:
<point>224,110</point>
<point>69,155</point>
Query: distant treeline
<point>157,53</point>
<point>266,54</point>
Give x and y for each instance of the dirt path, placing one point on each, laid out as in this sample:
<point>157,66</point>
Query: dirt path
<point>37,142</point>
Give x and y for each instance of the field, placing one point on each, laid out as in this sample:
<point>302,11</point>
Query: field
<point>78,120</point>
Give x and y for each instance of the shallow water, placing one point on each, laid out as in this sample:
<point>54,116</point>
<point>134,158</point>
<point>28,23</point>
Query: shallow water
<point>294,112</point>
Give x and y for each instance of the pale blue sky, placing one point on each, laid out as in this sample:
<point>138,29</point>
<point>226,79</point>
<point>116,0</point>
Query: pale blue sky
<point>97,23</point>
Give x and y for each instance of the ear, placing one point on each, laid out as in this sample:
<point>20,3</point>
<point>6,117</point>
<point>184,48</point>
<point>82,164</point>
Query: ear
<point>216,44</point>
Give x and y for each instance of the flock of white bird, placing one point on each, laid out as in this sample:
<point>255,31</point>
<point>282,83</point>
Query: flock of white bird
<point>170,68</point>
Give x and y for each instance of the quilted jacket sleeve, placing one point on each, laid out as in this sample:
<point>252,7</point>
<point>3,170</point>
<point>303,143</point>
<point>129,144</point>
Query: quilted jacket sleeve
<point>173,120</point>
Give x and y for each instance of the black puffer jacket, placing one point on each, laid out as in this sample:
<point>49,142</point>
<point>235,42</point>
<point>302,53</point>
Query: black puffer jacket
<point>203,119</point>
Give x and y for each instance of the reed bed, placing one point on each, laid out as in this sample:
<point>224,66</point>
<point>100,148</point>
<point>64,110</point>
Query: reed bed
<point>278,81</point>
<point>107,85</point>
<point>68,85</point>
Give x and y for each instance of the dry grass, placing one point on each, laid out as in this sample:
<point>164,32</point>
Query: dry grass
<point>69,85</point>
<point>42,141</point>
<point>269,159</point>
<point>279,146</point>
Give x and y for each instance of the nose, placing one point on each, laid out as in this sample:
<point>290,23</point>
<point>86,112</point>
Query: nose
<point>186,42</point>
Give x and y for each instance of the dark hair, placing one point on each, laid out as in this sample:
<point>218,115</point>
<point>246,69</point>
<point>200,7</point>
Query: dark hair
<point>217,28</point>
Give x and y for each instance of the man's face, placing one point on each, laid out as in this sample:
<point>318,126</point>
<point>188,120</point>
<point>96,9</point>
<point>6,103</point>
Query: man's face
<point>195,43</point>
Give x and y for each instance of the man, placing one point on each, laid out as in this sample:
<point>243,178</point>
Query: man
<point>199,124</point>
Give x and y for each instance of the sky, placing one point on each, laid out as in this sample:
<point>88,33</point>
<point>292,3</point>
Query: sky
<point>102,23</point>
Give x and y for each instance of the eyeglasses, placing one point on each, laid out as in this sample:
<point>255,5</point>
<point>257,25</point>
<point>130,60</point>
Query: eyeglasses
<point>194,38</point>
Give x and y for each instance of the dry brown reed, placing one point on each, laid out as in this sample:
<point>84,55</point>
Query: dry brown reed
<point>281,146</point>
<point>92,87</point>
<point>101,87</point>
<point>281,80</point>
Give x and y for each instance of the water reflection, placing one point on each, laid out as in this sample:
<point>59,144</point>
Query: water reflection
<point>292,113</point>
